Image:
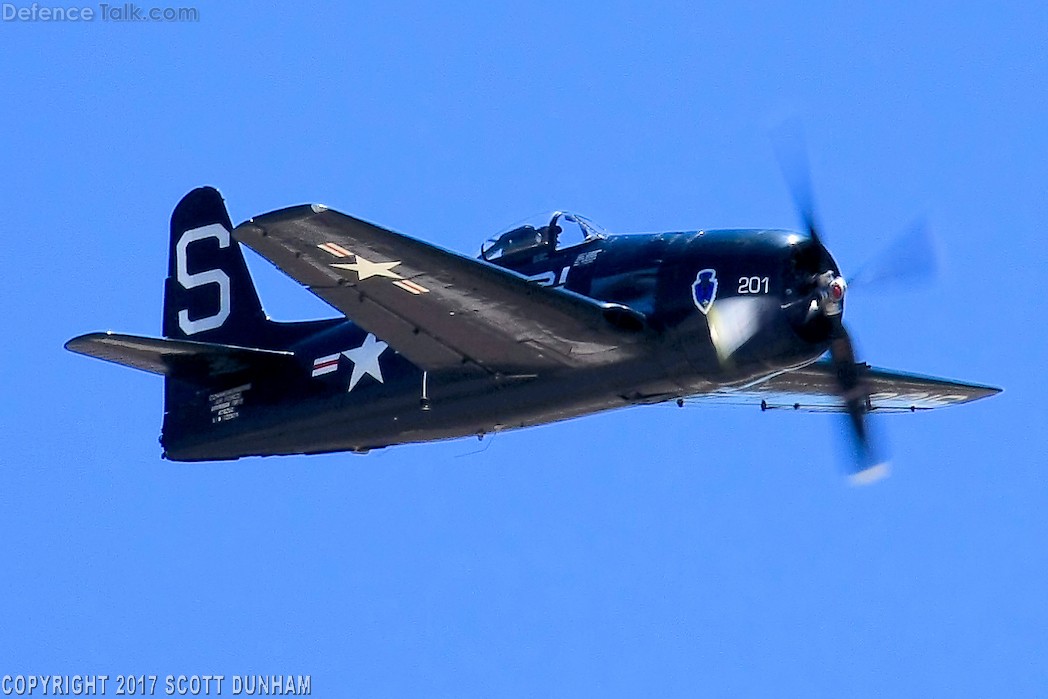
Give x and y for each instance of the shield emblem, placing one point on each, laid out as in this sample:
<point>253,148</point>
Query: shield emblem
<point>704,290</point>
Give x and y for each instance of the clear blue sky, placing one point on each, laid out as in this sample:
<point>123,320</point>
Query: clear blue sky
<point>649,552</point>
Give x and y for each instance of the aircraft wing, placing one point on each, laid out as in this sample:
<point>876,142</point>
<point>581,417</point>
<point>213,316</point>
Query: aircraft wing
<point>813,389</point>
<point>439,309</point>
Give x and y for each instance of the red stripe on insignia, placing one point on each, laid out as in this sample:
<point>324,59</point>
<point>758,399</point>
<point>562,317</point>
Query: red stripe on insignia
<point>336,250</point>
<point>325,365</point>
<point>408,285</point>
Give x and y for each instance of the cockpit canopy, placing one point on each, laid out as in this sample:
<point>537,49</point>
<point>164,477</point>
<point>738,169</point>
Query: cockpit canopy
<point>545,232</point>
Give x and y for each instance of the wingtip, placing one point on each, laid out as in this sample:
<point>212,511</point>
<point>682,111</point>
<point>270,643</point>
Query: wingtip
<point>75,344</point>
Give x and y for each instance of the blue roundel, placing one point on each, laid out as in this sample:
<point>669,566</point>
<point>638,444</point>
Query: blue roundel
<point>704,290</point>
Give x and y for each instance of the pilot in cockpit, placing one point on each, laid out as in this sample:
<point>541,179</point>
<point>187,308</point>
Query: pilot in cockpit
<point>548,234</point>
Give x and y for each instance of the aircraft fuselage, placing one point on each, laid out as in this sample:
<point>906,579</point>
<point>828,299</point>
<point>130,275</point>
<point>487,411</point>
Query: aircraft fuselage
<point>351,392</point>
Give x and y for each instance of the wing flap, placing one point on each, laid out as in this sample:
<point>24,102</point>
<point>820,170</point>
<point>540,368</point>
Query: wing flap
<point>439,309</point>
<point>179,358</point>
<point>813,389</point>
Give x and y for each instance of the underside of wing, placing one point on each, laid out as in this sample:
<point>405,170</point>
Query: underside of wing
<point>439,309</point>
<point>179,358</point>
<point>814,389</point>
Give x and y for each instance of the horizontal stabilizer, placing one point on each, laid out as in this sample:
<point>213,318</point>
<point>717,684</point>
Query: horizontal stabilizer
<point>177,358</point>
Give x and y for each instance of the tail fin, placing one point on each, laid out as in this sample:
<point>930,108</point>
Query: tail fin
<point>218,342</point>
<point>208,295</point>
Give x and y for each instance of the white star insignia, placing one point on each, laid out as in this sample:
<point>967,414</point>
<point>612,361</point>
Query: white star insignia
<point>365,359</point>
<point>366,268</point>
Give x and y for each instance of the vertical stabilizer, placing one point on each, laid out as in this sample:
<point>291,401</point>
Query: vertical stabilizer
<point>209,295</point>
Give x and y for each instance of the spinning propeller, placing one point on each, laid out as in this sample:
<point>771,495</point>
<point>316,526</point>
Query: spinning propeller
<point>910,257</point>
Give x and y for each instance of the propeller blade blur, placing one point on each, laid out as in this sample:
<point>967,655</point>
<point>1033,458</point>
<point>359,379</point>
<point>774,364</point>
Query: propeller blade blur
<point>792,153</point>
<point>868,466</point>
<point>870,474</point>
<point>910,258</point>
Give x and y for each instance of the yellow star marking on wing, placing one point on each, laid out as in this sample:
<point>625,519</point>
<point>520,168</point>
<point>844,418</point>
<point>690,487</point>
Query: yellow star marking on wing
<point>366,268</point>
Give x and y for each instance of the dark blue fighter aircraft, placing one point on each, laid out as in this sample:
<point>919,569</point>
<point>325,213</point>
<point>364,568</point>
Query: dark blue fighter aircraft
<point>436,345</point>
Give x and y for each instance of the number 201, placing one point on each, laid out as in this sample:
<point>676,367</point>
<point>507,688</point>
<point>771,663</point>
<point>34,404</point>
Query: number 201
<point>753,285</point>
